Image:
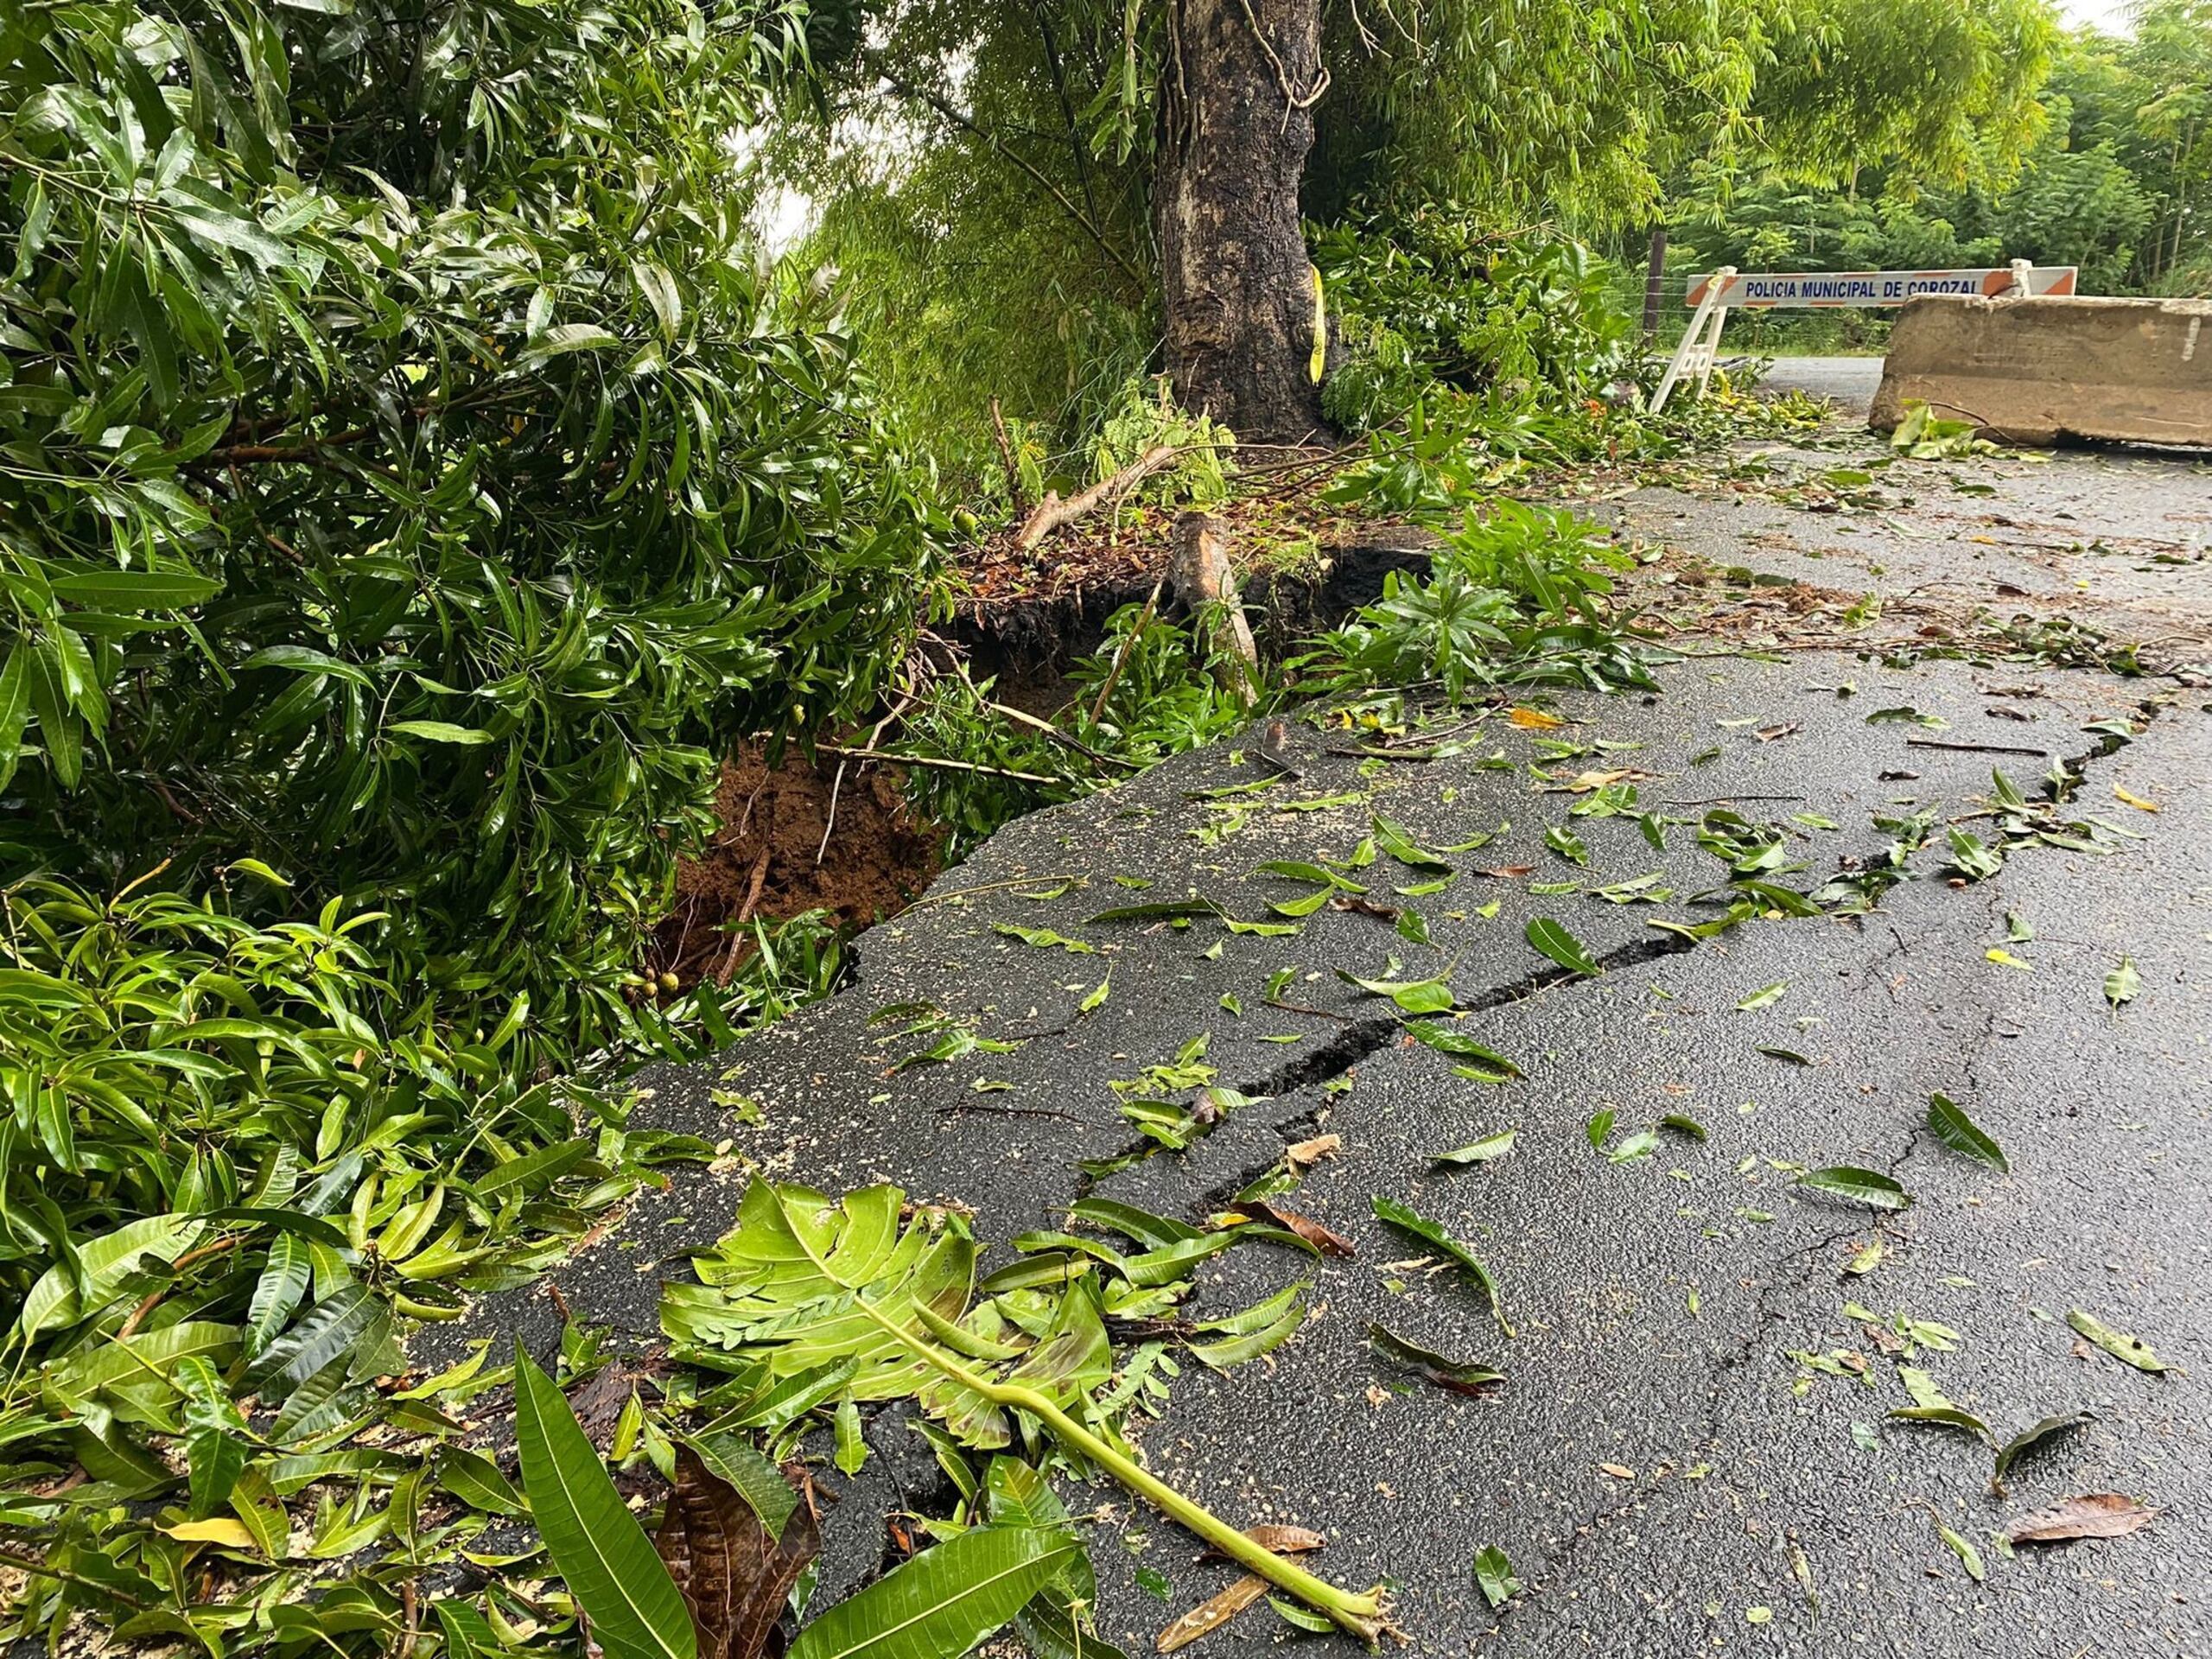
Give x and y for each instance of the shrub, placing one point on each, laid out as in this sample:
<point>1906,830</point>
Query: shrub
<point>1527,313</point>
<point>419,482</point>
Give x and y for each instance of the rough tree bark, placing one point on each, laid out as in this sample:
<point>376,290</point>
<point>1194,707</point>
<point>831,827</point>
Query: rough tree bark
<point>1236,120</point>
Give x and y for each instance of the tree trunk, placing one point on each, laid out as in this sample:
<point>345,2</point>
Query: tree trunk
<point>1237,119</point>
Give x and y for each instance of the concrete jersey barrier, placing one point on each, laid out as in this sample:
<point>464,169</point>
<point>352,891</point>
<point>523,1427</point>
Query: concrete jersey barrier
<point>2043,371</point>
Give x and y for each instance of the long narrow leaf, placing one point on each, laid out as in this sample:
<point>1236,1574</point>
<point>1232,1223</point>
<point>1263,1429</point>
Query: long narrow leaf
<point>944,1601</point>
<point>637,1613</point>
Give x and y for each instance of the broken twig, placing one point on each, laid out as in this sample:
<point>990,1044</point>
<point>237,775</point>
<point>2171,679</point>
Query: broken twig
<point>1053,512</point>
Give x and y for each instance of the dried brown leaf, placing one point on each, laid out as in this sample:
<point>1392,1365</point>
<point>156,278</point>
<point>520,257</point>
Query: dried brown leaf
<point>734,1578</point>
<point>2092,1514</point>
<point>1306,1154</point>
<point>1211,1614</point>
<point>1321,1238</point>
<point>1510,872</point>
<point>1216,1610</point>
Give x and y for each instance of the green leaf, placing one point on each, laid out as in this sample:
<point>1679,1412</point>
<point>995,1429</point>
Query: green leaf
<point>62,1298</point>
<point>1764,996</point>
<point>1969,1557</point>
<point>852,1444</point>
<point>1867,1186</point>
<point>1044,938</point>
<point>1160,909</point>
<point>477,1482</point>
<point>1478,1151</point>
<point>137,590</point>
<point>1971,857</point>
<point>2131,1350</point>
<point>1407,1221</point>
<point>946,1601</point>
<point>536,1171</point>
<point>1298,1618</point>
<point>758,1482</point>
<point>441,731</point>
<point>1683,1124</point>
<point>1956,1130</point>
<point>1561,946</point>
<point>1494,1575</point>
<point>564,337</point>
<point>1944,1416</point>
<point>1637,1147</point>
<point>1458,1375</point>
<point>2047,1428</point>
<point>2122,983</point>
<point>1444,1039</point>
<point>1414,996</point>
<point>609,1565</point>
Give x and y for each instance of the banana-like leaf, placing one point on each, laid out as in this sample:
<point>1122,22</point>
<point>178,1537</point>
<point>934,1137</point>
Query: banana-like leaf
<point>787,1281</point>
<point>637,1613</point>
<point>803,1286</point>
<point>944,1601</point>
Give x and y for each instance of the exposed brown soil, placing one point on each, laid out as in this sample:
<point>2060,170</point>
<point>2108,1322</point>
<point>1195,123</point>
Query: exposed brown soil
<point>763,862</point>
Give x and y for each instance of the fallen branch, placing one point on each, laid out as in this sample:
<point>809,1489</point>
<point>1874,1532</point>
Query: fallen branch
<point>1122,657</point>
<point>1973,748</point>
<point>744,915</point>
<point>1046,726</point>
<point>1199,571</point>
<point>942,762</point>
<point>1053,512</point>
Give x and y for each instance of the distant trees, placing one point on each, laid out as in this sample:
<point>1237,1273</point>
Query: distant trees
<point>2113,174</point>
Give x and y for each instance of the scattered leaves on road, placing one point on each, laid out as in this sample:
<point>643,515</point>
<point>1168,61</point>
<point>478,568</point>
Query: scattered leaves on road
<point>1392,1212</point>
<point>2131,1350</point>
<point>1457,1375</point>
<point>1950,1125</point>
<point>2091,1514</point>
<point>1494,1576</point>
<point>1867,1186</point>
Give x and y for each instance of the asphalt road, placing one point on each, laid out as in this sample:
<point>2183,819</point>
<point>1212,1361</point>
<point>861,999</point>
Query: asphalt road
<point>1692,1449</point>
<point>1849,383</point>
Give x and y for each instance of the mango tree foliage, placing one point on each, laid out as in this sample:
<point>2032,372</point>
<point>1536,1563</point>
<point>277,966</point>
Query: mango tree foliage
<point>987,180</point>
<point>2107,184</point>
<point>409,475</point>
<point>2171,61</point>
<point>1945,87</point>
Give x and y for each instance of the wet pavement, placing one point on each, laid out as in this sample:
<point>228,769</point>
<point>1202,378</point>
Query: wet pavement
<point>1849,383</point>
<point>1692,1448</point>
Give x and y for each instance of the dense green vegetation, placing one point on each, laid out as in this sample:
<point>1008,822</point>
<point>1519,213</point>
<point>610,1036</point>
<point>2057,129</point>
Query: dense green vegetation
<point>2112,171</point>
<point>414,478</point>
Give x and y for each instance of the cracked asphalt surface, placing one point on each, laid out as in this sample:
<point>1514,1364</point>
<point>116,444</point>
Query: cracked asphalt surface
<point>1691,1450</point>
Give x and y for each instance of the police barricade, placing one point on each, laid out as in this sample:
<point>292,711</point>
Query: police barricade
<point>1714,295</point>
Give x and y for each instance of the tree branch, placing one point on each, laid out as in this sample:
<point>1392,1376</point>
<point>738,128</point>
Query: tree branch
<point>922,94</point>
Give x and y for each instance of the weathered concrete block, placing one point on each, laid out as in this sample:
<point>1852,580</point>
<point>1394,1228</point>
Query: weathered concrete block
<point>2043,371</point>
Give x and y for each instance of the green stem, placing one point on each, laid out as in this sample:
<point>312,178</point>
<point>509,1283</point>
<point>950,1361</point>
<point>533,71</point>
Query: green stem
<point>1361,1614</point>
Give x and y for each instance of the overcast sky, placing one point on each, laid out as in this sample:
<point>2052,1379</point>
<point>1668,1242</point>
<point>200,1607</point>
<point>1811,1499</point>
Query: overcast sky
<point>2111,16</point>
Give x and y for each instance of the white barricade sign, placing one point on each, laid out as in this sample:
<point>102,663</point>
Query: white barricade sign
<point>1796,289</point>
<point>1715,294</point>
